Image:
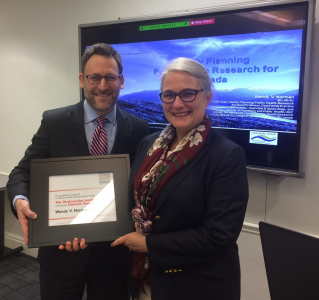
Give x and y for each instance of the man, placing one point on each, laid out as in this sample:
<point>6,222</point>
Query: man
<point>70,132</point>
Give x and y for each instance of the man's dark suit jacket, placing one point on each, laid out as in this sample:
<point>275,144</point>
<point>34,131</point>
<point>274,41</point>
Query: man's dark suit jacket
<point>196,222</point>
<point>62,134</point>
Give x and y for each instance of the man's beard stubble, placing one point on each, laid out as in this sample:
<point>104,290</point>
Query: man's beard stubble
<point>92,103</point>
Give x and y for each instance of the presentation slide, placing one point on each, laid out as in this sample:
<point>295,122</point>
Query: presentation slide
<point>255,77</point>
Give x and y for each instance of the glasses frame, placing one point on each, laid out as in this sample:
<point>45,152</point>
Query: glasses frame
<point>87,78</point>
<point>179,95</point>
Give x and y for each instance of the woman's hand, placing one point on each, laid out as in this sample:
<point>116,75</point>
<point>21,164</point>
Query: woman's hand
<point>136,241</point>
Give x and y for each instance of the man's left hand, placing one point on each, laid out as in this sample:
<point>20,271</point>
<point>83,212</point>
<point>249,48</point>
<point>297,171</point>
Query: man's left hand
<point>75,246</point>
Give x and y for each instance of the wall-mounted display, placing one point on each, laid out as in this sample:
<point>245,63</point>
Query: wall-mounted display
<point>258,57</point>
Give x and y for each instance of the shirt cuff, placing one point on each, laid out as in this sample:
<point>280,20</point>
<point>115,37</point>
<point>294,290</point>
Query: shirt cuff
<point>18,197</point>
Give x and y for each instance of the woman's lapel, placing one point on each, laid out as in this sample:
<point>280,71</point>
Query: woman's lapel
<point>180,176</point>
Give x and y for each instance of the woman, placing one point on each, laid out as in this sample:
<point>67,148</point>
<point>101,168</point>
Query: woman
<point>190,190</point>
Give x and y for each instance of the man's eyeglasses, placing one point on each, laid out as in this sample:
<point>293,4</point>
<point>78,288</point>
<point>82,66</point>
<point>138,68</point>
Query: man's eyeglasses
<point>185,96</point>
<point>96,79</point>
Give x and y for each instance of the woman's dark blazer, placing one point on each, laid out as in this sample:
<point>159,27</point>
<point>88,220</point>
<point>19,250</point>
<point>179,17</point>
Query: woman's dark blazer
<point>196,222</point>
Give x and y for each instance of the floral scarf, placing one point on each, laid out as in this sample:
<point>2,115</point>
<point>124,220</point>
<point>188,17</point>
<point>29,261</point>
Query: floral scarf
<point>158,166</point>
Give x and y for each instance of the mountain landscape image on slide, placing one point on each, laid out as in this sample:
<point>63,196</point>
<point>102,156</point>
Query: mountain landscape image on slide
<point>242,108</point>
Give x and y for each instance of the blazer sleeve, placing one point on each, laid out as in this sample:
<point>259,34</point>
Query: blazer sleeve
<point>227,197</point>
<point>19,178</point>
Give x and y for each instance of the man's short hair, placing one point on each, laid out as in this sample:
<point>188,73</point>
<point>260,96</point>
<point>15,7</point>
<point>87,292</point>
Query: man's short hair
<point>103,50</point>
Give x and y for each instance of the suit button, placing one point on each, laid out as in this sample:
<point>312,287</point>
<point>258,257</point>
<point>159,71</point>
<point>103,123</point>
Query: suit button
<point>166,271</point>
<point>175,270</point>
<point>180,270</point>
<point>157,217</point>
<point>171,271</point>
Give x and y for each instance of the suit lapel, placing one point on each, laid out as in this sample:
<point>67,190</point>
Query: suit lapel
<point>76,121</point>
<point>122,132</point>
<point>180,175</point>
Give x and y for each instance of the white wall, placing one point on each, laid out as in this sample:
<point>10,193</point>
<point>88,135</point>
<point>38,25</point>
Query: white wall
<point>39,71</point>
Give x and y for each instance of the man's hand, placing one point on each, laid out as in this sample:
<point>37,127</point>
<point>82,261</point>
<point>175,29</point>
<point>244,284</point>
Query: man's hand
<point>24,213</point>
<point>75,246</point>
<point>136,241</point>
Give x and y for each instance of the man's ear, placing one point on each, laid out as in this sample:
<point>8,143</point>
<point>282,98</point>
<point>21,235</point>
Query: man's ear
<point>122,81</point>
<point>81,77</point>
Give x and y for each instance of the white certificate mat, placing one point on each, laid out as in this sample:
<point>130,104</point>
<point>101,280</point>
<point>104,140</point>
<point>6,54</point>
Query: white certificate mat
<point>81,199</point>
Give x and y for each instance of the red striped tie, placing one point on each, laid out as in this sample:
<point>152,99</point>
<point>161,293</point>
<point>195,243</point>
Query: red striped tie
<point>99,141</point>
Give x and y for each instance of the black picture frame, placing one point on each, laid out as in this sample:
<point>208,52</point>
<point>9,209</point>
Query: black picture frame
<point>41,234</point>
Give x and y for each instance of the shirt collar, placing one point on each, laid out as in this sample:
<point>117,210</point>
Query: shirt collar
<point>90,115</point>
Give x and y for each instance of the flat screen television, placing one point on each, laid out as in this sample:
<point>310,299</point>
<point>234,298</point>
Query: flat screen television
<point>258,57</point>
